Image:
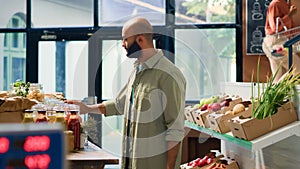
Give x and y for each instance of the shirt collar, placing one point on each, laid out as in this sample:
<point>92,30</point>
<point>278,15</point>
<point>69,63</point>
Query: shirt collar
<point>151,62</point>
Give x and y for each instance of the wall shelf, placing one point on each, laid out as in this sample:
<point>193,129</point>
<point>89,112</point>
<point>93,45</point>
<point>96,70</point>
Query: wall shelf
<point>256,144</point>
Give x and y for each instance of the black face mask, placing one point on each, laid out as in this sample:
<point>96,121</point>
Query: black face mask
<point>134,51</point>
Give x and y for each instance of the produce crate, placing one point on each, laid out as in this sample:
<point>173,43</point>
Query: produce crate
<point>219,121</point>
<point>251,128</point>
<point>200,117</point>
<point>188,113</point>
<point>231,165</point>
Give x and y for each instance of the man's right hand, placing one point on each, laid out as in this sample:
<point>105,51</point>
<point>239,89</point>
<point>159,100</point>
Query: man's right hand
<point>95,108</point>
<point>83,107</point>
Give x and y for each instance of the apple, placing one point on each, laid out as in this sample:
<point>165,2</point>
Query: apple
<point>202,101</point>
<point>215,98</point>
<point>216,106</point>
<point>204,107</point>
<point>224,103</point>
<point>209,100</point>
<point>209,106</point>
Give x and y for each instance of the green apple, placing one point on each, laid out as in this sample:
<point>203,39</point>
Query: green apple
<point>209,100</point>
<point>202,101</point>
<point>215,98</point>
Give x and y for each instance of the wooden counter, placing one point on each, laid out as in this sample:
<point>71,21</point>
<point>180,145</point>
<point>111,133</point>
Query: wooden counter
<point>92,157</point>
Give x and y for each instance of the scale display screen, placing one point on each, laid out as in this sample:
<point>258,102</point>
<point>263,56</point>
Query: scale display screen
<point>32,146</point>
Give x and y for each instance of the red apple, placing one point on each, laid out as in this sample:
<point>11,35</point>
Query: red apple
<point>209,106</point>
<point>204,107</point>
<point>216,106</point>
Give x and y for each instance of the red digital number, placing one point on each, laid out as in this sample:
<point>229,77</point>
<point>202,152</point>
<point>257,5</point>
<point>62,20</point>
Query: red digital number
<point>4,145</point>
<point>36,143</point>
<point>40,161</point>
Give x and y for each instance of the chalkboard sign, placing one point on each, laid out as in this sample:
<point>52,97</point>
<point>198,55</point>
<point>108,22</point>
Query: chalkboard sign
<point>256,11</point>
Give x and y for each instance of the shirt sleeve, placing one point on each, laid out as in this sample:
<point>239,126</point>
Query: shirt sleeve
<point>174,90</point>
<point>274,11</point>
<point>116,106</point>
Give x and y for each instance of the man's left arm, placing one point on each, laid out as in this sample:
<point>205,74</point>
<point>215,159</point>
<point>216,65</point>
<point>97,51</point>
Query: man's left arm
<point>174,118</point>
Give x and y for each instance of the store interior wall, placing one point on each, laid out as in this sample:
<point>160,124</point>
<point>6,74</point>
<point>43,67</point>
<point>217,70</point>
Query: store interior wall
<point>250,61</point>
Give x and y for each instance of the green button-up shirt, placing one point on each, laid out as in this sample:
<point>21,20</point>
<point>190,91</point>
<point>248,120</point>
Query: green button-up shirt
<point>153,100</point>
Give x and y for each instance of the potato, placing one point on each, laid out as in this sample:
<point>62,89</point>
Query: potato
<point>238,108</point>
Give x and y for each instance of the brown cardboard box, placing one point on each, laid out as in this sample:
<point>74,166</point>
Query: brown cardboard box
<point>188,113</point>
<point>251,128</point>
<point>200,117</point>
<point>219,121</point>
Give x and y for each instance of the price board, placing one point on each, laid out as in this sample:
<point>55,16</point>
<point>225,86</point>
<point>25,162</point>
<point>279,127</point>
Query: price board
<point>32,146</point>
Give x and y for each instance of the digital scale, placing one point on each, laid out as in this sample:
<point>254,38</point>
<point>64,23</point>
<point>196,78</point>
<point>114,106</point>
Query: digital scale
<point>32,146</point>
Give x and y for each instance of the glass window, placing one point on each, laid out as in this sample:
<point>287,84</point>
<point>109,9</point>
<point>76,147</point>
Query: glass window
<point>62,13</point>
<point>15,40</point>
<point>18,67</point>
<point>116,68</point>
<point>205,11</point>
<point>117,12</point>
<point>206,58</point>
<point>66,69</point>
<point>4,66</point>
<point>14,62</point>
<point>12,7</point>
<point>115,73</point>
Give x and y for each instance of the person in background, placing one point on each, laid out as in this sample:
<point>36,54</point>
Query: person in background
<point>284,10</point>
<point>152,103</point>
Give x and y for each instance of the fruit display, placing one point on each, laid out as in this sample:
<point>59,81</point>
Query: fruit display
<point>218,121</point>
<point>211,161</point>
<point>222,103</point>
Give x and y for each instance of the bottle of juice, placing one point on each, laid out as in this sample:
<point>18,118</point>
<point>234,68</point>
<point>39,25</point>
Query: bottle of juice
<point>74,125</point>
<point>28,116</point>
<point>41,116</point>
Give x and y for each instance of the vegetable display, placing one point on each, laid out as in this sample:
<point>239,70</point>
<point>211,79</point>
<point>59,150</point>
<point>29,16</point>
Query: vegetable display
<point>21,88</point>
<point>273,94</point>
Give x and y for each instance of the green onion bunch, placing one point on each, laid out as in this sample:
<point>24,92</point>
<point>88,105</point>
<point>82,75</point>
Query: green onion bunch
<point>274,95</point>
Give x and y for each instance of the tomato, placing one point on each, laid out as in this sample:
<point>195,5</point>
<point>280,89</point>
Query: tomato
<point>210,160</point>
<point>202,163</point>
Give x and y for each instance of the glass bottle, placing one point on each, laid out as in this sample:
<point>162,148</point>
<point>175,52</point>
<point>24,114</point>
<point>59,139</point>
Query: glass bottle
<point>60,118</point>
<point>41,116</point>
<point>74,125</point>
<point>28,116</point>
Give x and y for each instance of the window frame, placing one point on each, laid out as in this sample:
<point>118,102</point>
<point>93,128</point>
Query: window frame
<point>33,36</point>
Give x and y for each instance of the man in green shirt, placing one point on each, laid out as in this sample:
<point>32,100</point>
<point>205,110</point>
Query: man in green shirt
<point>152,103</point>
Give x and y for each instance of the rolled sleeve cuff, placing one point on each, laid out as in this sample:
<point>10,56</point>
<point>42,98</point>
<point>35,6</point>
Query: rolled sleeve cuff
<point>175,135</point>
<point>110,108</point>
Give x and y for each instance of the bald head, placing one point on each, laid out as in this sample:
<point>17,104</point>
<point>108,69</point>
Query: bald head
<point>136,26</point>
